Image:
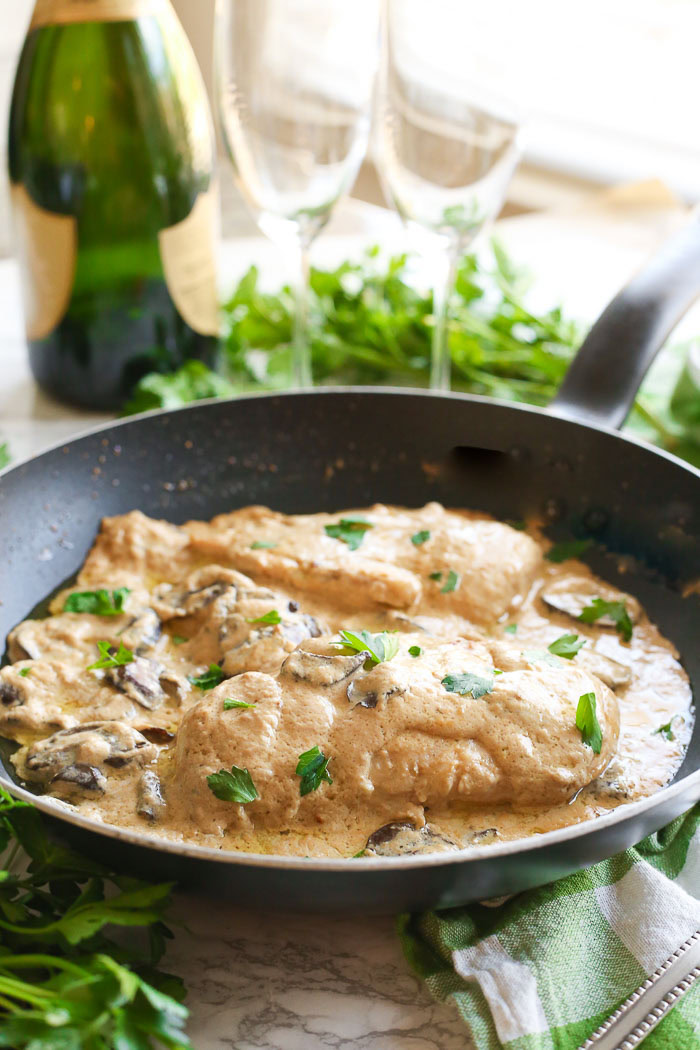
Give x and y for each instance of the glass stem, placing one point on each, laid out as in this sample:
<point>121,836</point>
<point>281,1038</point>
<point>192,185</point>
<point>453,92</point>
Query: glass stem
<point>301,343</point>
<point>441,362</point>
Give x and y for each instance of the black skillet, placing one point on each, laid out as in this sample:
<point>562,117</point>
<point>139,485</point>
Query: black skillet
<point>336,448</point>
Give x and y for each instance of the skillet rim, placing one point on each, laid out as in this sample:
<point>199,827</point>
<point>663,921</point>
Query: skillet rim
<point>324,391</point>
<point>54,808</point>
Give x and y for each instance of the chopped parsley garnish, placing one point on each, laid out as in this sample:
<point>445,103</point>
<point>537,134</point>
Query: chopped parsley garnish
<point>99,603</point>
<point>269,617</point>
<point>414,650</point>
<point>349,530</point>
<point>516,523</point>
<point>234,786</point>
<point>617,611</point>
<point>111,659</point>
<point>25,671</point>
<point>210,679</point>
<point>587,722</point>
<point>568,549</point>
<point>312,767</point>
<point>418,538</point>
<point>468,683</point>
<point>451,583</point>
<point>511,628</point>
<point>665,730</point>
<point>230,703</point>
<point>179,639</point>
<point>435,576</point>
<point>381,647</point>
<point>262,545</point>
<point>567,645</point>
<point>360,853</point>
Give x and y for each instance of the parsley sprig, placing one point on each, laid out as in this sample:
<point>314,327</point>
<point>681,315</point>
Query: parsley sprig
<point>617,611</point>
<point>64,982</point>
<point>209,679</point>
<point>234,785</point>
<point>312,767</point>
<point>566,645</point>
<point>381,647</point>
<point>587,722</point>
<point>272,617</point>
<point>468,684</point>
<point>111,657</point>
<point>100,603</point>
<point>666,730</point>
<point>568,549</point>
<point>349,530</point>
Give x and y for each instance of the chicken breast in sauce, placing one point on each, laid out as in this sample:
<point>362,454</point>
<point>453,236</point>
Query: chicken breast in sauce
<point>384,680</point>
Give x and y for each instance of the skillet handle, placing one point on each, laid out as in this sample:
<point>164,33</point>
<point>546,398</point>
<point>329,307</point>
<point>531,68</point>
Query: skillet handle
<point>613,359</point>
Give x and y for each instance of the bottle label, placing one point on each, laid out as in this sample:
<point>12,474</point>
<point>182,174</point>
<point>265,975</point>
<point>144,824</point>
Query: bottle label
<point>47,246</point>
<point>61,12</point>
<point>188,255</point>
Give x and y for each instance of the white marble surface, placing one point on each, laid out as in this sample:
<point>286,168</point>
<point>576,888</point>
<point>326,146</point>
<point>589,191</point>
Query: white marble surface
<point>281,982</point>
<point>290,982</point>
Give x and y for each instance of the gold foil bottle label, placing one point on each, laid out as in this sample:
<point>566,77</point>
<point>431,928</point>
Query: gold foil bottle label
<point>61,12</point>
<point>188,255</point>
<point>47,246</point>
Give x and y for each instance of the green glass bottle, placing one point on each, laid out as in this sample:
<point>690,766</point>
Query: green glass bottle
<point>111,158</point>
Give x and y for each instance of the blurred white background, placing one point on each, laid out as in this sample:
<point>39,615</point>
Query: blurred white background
<point>609,88</point>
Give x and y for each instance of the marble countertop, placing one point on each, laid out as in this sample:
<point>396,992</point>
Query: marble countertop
<point>283,982</point>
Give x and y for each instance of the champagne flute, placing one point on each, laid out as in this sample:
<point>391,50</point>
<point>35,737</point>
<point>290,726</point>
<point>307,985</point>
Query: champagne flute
<point>448,143</point>
<point>294,87</point>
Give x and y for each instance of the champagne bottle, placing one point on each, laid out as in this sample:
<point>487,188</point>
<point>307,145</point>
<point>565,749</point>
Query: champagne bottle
<point>111,159</point>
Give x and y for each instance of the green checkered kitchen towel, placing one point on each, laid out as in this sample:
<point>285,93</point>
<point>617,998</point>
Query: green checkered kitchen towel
<point>543,969</point>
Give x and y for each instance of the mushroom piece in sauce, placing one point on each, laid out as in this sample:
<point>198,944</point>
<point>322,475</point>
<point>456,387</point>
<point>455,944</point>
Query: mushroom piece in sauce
<point>572,594</point>
<point>140,681</point>
<point>322,669</point>
<point>401,839</point>
<point>96,744</point>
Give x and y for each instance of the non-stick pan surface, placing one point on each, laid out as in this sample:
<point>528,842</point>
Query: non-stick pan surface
<point>331,449</point>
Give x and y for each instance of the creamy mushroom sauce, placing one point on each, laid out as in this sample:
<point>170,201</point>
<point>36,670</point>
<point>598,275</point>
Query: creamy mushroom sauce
<point>414,767</point>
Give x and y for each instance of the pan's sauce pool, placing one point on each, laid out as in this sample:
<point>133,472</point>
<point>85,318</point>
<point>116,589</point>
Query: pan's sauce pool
<point>198,687</point>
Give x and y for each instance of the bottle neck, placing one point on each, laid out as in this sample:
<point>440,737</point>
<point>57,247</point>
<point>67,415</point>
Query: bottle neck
<point>63,12</point>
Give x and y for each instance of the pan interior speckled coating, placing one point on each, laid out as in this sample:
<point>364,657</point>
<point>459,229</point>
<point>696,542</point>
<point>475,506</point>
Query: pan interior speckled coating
<point>334,448</point>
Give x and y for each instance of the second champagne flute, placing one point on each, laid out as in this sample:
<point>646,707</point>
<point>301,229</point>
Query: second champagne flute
<point>448,142</point>
<point>294,90</point>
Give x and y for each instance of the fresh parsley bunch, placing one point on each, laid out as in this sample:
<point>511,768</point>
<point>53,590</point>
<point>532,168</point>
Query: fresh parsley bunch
<point>65,984</point>
<point>370,325</point>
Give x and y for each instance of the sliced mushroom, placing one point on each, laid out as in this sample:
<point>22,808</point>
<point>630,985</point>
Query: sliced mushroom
<point>401,838</point>
<point>614,674</point>
<point>95,744</point>
<point>572,594</point>
<point>22,643</point>
<point>140,681</point>
<point>481,838</point>
<point>149,796</point>
<point>174,685</point>
<point>79,778</point>
<point>10,694</point>
<point>186,603</point>
<point>360,697</point>
<point>613,783</point>
<point>157,734</point>
<point>142,632</point>
<point>297,631</point>
<point>322,669</point>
